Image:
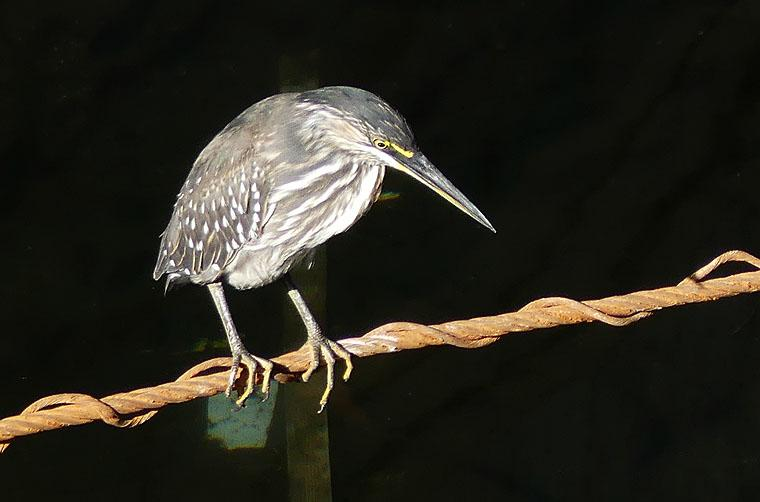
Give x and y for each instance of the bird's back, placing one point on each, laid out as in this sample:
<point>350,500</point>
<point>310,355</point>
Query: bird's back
<point>258,198</point>
<point>221,204</point>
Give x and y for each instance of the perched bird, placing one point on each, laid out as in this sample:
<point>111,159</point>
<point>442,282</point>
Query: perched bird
<point>284,176</point>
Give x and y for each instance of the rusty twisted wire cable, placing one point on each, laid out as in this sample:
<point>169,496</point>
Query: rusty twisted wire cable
<point>206,379</point>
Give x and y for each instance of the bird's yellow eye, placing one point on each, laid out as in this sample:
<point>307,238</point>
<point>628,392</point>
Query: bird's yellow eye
<point>381,144</point>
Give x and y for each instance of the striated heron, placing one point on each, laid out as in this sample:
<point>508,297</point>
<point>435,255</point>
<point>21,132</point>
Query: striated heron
<point>284,176</point>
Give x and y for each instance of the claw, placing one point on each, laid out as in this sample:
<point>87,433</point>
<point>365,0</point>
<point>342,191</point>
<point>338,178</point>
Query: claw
<point>232,374</point>
<point>316,350</point>
<point>251,363</point>
<point>345,355</point>
<point>328,350</point>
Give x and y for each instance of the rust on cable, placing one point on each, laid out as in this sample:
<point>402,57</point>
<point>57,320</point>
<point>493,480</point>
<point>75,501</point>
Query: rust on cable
<point>129,409</point>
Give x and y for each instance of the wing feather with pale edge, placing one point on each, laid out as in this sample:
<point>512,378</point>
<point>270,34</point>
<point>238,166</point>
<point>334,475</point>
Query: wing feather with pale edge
<point>219,208</point>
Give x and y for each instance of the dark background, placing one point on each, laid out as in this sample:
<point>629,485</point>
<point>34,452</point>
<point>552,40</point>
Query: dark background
<point>613,144</point>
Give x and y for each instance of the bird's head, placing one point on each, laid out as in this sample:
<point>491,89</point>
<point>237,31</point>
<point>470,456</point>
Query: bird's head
<point>363,124</point>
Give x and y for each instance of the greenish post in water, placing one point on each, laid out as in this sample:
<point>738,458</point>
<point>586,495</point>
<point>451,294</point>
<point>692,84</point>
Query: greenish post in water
<point>308,444</point>
<point>244,428</point>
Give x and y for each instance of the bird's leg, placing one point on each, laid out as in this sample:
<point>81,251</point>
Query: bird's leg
<point>239,352</point>
<point>321,347</point>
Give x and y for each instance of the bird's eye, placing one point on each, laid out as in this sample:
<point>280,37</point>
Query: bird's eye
<point>379,143</point>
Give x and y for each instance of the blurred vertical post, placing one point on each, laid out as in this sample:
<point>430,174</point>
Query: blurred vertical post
<point>308,445</point>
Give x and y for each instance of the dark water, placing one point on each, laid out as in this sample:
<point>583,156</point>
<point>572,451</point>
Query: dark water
<point>614,145</point>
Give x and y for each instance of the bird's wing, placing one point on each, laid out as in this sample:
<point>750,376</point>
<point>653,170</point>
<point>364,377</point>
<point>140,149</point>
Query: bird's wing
<point>220,207</point>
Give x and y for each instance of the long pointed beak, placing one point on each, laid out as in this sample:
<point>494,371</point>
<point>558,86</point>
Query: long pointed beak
<point>420,168</point>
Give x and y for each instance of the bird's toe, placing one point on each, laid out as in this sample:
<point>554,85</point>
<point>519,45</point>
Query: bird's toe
<point>327,350</point>
<point>341,352</point>
<point>252,363</point>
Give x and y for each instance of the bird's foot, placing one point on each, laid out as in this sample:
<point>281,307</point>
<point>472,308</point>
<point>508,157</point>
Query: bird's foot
<point>322,348</point>
<point>252,363</point>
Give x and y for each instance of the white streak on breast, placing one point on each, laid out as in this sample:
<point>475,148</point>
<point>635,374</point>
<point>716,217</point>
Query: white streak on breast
<point>360,201</point>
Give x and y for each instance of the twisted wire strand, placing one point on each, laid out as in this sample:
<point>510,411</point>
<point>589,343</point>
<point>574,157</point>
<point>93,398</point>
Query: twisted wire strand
<point>208,378</point>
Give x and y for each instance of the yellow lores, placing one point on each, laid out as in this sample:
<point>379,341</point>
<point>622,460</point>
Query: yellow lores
<point>405,153</point>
